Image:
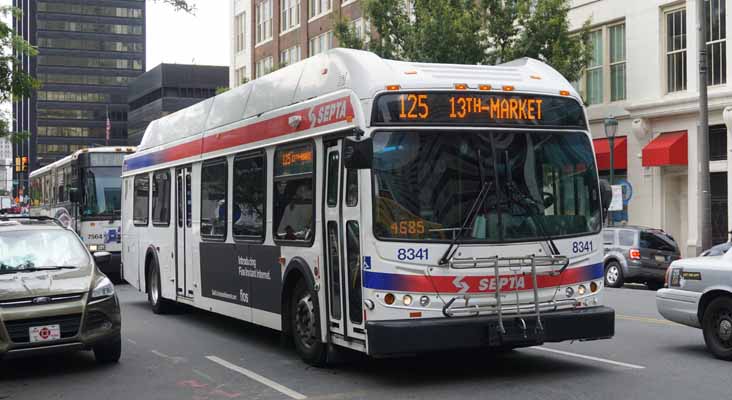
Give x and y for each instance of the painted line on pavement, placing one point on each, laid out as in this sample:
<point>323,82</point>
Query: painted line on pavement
<point>591,358</point>
<point>259,378</point>
<point>646,319</point>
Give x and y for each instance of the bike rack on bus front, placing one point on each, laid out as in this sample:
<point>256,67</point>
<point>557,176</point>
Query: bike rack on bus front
<point>550,265</point>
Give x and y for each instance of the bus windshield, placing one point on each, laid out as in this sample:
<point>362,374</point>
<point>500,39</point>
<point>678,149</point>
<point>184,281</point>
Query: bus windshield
<point>102,191</point>
<point>539,185</point>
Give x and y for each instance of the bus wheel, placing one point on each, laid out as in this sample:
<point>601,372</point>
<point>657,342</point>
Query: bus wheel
<point>306,326</point>
<point>154,292</point>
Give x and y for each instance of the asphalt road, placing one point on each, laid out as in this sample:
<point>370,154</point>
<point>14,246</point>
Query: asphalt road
<point>196,355</point>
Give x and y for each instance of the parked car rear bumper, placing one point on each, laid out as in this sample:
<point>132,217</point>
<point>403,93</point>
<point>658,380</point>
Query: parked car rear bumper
<point>643,273</point>
<point>679,306</point>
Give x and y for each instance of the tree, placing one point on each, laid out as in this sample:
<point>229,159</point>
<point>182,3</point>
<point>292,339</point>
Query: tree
<point>473,32</point>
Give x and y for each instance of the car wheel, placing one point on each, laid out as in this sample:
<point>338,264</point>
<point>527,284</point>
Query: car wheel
<point>305,323</point>
<point>717,327</point>
<point>654,285</point>
<point>108,352</point>
<point>154,292</point>
<point>614,275</point>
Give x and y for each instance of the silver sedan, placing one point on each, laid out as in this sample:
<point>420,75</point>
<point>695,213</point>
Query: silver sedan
<point>698,293</point>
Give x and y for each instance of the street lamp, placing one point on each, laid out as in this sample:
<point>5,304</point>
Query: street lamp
<point>611,128</point>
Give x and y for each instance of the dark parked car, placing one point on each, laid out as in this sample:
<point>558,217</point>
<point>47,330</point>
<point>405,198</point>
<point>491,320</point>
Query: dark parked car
<point>637,254</point>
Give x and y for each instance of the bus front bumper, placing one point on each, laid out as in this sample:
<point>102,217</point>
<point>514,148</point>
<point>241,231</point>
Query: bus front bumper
<point>440,334</point>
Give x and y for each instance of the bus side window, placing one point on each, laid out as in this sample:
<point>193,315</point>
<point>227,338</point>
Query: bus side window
<point>214,188</point>
<point>161,198</point>
<point>140,213</point>
<point>351,187</point>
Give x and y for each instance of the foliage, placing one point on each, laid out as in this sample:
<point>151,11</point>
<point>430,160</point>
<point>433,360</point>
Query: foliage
<point>14,82</point>
<point>221,89</point>
<point>472,32</point>
<point>181,5</point>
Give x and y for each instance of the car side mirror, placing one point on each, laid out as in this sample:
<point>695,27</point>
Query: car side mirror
<point>102,257</point>
<point>358,154</point>
<point>74,195</point>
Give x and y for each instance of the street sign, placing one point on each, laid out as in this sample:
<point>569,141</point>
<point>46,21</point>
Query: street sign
<point>617,202</point>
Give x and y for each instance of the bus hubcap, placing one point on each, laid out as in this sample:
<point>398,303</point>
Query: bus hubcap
<point>305,321</point>
<point>154,288</point>
<point>725,329</point>
<point>612,274</point>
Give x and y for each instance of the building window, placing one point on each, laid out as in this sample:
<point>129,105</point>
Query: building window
<point>240,76</point>
<point>90,62</point>
<point>716,42</point>
<point>140,203</point>
<point>290,56</point>
<point>594,70</point>
<point>264,66</point>
<point>362,28</point>
<point>616,35</point>
<point>102,45</point>
<point>290,14</point>
<point>83,9</point>
<point>264,21</point>
<point>321,43</point>
<point>250,196</point>
<point>117,29</point>
<point>240,27</point>
<point>214,188</point>
<point>84,79</point>
<point>319,7</point>
<point>161,198</point>
<point>676,50</point>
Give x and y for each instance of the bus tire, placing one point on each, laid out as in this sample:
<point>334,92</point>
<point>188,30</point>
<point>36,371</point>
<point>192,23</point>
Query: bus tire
<point>158,304</point>
<point>305,324</point>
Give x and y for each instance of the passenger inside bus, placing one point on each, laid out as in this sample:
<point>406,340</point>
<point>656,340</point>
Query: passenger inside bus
<point>297,214</point>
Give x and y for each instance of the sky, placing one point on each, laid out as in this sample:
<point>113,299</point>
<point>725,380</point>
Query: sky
<point>178,37</point>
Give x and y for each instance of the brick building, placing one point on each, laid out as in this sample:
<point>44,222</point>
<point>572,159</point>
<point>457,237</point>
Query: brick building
<point>283,32</point>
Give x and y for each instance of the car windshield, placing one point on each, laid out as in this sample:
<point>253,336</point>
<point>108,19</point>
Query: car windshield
<point>538,184</point>
<point>30,249</point>
<point>717,250</point>
<point>102,191</point>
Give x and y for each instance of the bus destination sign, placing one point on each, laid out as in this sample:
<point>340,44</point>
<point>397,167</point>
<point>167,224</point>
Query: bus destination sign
<point>477,108</point>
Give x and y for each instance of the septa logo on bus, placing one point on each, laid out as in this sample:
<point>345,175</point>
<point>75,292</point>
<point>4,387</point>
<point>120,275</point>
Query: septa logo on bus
<point>330,112</point>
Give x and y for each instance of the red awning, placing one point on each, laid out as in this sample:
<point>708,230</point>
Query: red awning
<point>667,149</point>
<point>602,151</point>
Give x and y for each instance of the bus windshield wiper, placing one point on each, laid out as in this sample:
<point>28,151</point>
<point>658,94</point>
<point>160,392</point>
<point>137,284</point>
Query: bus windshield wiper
<point>513,190</point>
<point>477,204</point>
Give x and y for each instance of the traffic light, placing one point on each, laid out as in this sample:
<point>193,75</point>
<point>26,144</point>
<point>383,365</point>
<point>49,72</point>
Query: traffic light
<point>24,162</point>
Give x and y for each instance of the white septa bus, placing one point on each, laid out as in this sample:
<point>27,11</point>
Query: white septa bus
<point>382,206</point>
<point>83,190</point>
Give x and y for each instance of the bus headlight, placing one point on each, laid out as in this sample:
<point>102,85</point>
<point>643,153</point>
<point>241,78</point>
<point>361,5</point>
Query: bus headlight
<point>569,292</point>
<point>96,247</point>
<point>581,290</point>
<point>407,300</point>
<point>424,301</point>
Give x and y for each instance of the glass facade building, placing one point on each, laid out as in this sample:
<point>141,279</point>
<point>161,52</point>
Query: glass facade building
<point>89,51</point>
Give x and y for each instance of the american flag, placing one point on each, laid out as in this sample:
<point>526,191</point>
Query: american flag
<point>109,126</point>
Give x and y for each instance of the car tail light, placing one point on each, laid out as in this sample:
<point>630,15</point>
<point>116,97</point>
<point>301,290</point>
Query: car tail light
<point>634,254</point>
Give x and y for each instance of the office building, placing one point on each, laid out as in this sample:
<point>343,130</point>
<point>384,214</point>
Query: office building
<point>168,88</point>
<point>88,53</point>
<point>644,73</point>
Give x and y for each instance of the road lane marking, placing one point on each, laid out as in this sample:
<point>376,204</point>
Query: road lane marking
<point>646,319</point>
<point>259,378</point>
<point>173,359</point>
<point>591,358</point>
<point>132,341</point>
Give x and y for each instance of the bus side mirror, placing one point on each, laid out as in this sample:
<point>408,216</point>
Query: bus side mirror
<point>74,195</point>
<point>358,154</point>
<point>606,196</point>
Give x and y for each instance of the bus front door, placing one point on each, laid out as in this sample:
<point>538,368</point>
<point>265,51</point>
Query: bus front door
<point>343,247</point>
<point>184,255</point>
